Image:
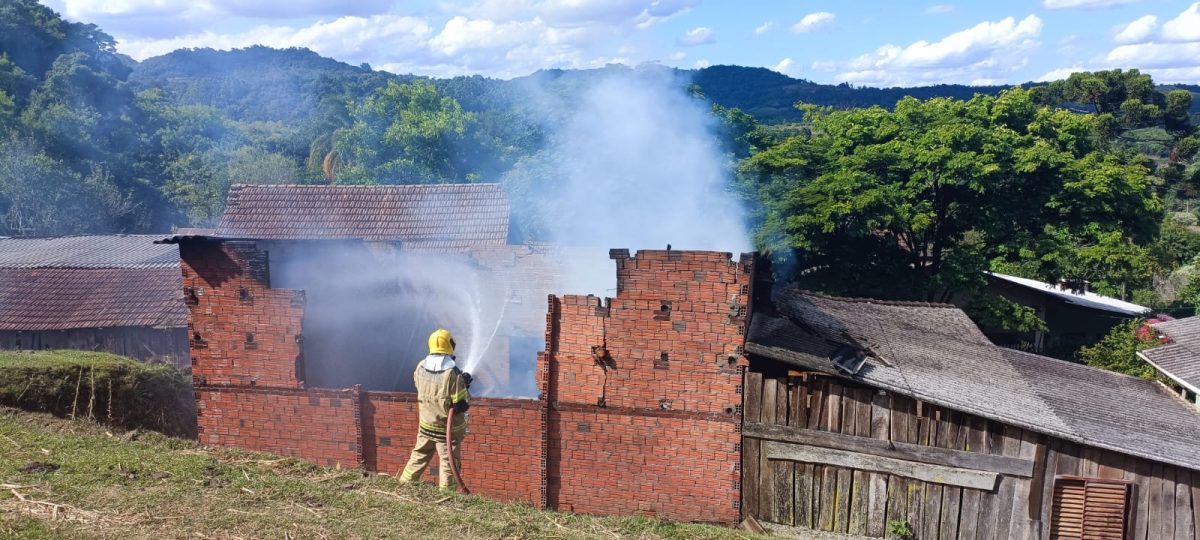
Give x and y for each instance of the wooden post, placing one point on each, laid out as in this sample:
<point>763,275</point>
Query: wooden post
<point>751,404</point>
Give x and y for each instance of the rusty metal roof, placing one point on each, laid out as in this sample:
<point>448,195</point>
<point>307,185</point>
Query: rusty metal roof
<point>37,299</point>
<point>431,217</point>
<point>936,354</point>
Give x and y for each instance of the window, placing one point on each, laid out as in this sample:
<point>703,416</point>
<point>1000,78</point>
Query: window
<point>1089,508</point>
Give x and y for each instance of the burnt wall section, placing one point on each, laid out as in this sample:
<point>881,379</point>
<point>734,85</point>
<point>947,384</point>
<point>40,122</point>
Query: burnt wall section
<point>242,332</point>
<point>321,426</point>
<point>644,389</point>
<point>640,395</point>
<point>502,453</point>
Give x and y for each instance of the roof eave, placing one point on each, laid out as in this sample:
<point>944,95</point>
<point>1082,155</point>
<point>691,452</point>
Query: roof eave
<point>1178,380</point>
<point>772,352</point>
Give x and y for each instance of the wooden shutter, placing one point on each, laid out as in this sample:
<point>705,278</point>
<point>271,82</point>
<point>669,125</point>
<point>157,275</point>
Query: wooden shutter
<point>1089,508</point>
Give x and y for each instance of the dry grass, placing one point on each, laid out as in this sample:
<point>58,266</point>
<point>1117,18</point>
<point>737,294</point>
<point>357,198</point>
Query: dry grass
<point>74,479</point>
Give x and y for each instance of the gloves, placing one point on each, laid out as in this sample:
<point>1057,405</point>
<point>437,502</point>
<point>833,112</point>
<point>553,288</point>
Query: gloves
<point>467,378</point>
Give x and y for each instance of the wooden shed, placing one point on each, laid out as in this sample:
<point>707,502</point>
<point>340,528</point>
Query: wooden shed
<point>121,294</point>
<point>865,418</point>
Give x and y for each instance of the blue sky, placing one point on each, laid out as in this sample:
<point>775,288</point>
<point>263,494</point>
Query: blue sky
<point>876,43</point>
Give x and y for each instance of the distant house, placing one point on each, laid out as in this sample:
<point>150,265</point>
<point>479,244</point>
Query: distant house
<point>1178,361</point>
<point>120,294</point>
<point>862,413</point>
<point>1073,318</point>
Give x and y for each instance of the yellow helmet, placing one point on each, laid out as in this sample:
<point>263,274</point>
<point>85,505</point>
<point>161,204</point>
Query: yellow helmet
<point>441,342</point>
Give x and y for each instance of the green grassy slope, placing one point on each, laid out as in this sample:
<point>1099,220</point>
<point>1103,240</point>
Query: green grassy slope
<point>74,479</point>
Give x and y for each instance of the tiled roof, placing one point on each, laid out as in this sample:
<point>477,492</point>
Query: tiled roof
<point>432,217</point>
<point>1181,358</point>
<point>936,354</point>
<point>113,251</point>
<point>35,299</point>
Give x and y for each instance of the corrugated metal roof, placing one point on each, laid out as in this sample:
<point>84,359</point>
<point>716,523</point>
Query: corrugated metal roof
<point>37,299</point>
<point>1084,299</point>
<point>935,353</point>
<point>1181,358</point>
<point>450,217</point>
<point>102,251</point>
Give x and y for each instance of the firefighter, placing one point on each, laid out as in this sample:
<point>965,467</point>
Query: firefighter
<point>440,387</point>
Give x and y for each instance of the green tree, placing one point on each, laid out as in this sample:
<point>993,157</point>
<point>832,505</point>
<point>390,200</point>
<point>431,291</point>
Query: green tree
<point>915,202</point>
<point>403,133</point>
<point>1118,350</point>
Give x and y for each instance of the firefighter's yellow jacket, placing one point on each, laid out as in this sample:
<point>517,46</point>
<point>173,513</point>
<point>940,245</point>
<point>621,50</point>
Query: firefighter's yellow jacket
<point>439,390</point>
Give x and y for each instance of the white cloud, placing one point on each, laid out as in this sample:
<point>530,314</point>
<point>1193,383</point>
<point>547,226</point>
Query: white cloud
<point>641,13</point>
<point>1173,56</point>
<point>1137,30</point>
<point>1155,55</point>
<point>345,38</point>
<point>701,63</point>
<point>939,9</point>
<point>1059,74</point>
<point>1185,27</point>
<point>701,35</point>
<point>813,22</point>
<point>1086,4</point>
<point>677,56</point>
<point>784,66</point>
<point>986,51</point>
<point>764,28</point>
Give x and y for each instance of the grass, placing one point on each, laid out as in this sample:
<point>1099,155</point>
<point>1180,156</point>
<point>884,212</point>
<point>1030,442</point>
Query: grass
<point>64,478</point>
<point>102,386</point>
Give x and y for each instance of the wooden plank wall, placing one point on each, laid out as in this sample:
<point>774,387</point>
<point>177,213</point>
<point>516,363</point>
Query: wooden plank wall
<point>168,345</point>
<point>862,503</point>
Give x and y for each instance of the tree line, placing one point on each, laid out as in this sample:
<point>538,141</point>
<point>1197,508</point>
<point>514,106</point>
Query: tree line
<point>1092,180</point>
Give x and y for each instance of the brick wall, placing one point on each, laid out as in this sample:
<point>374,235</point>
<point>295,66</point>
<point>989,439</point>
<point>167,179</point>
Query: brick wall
<point>639,408</point>
<point>321,426</point>
<point>502,453</point>
<point>242,332</point>
<point>644,389</point>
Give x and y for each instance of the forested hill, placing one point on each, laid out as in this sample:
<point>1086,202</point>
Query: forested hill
<point>257,83</point>
<point>260,83</point>
<point>770,96</point>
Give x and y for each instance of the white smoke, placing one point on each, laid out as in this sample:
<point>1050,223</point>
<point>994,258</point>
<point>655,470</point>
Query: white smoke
<point>640,167</point>
<point>633,162</point>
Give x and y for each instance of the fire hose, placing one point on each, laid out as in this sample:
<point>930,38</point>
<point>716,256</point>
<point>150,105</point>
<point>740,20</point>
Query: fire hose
<point>462,486</point>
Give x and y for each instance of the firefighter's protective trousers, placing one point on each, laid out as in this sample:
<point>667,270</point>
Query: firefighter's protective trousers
<point>437,393</point>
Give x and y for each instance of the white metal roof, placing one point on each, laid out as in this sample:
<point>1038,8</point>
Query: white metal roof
<point>1086,299</point>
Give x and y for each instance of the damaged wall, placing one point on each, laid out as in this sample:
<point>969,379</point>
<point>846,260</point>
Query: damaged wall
<point>644,392</point>
<point>663,441</point>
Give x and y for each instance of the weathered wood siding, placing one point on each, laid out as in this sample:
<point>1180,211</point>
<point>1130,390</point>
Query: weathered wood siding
<point>861,502</point>
<point>168,345</point>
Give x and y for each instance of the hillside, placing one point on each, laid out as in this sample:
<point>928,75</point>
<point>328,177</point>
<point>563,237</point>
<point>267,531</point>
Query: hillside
<point>72,479</point>
<point>256,83</point>
<point>260,83</point>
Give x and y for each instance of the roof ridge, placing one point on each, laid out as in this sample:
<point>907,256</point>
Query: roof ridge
<point>864,300</point>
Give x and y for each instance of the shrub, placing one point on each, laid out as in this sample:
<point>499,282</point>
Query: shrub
<point>1118,350</point>
<point>100,386</point>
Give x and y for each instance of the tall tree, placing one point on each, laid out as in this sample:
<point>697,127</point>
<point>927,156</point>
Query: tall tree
<point>403,133</point>
<point>916,202</point>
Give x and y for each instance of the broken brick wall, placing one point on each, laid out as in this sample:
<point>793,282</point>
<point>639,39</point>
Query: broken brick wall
<point>242,331</point>
<point>644,391</point>
<point>663,441</point>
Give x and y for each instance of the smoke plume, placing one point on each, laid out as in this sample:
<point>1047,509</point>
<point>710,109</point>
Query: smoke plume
<point>633,162</point>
